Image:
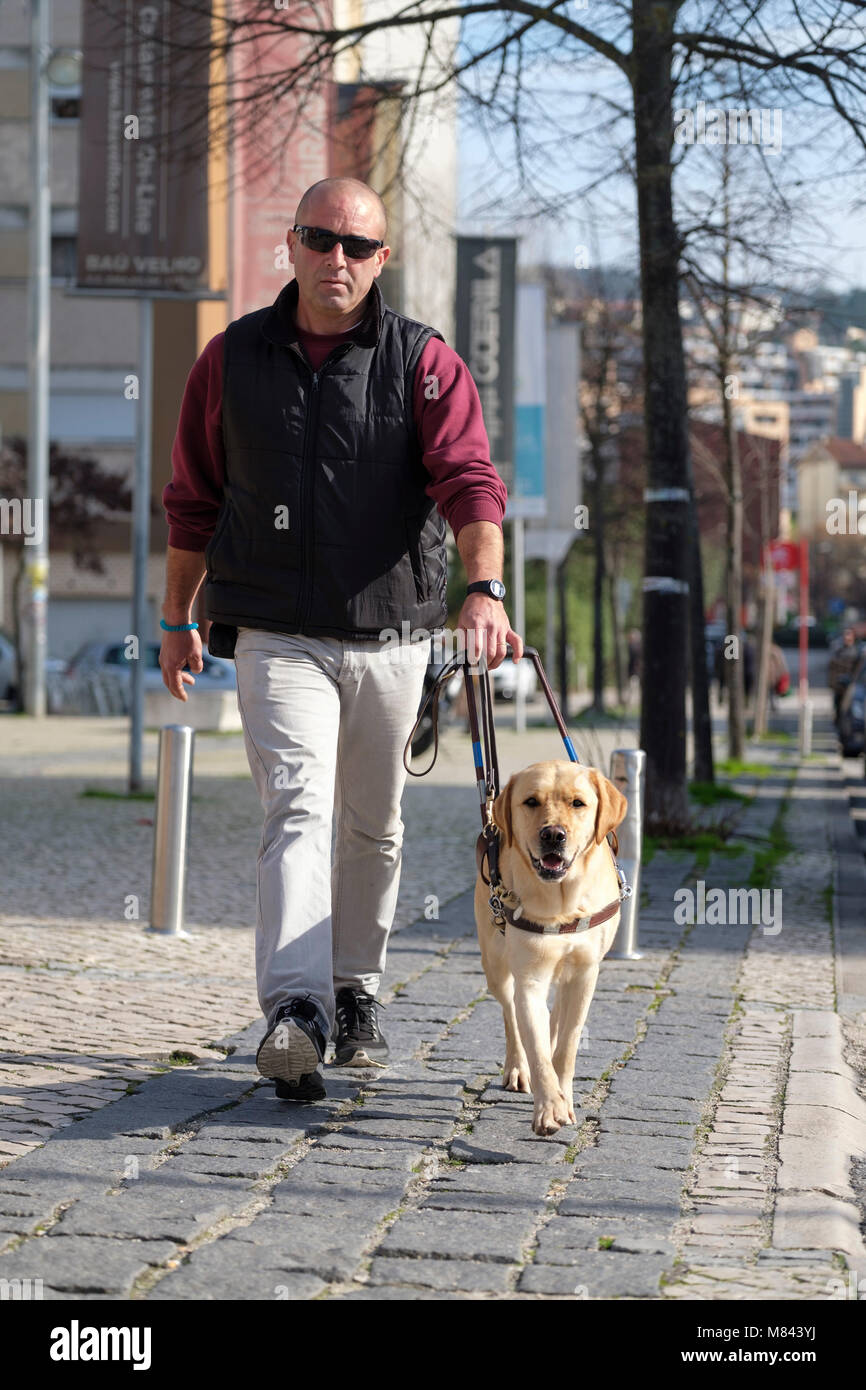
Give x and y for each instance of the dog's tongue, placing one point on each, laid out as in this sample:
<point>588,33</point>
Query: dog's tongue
<point>552,861</point>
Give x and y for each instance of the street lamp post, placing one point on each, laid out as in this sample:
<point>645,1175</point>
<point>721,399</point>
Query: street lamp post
<point>36,568</point>
<point>60,69</point>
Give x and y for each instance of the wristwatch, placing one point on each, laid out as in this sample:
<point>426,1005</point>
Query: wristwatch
<point>494,588</point>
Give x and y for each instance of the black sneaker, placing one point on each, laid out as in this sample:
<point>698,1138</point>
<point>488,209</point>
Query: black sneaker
<point>358,1041</point>
<point>308,1087</point>
<point>295,1045</point>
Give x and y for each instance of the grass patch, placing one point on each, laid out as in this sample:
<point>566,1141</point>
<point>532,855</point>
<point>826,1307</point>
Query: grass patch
<point>767,861</point>
<point>775,736</point>
<point>709,793</point>
<point>605,1242</point>
<point>735,767</point>
<point>117,796</point>
<point>827,895</point>
<point>590,716</point>
<point>181,1059</point>
<point>701,843</point>
<point>105,795</point>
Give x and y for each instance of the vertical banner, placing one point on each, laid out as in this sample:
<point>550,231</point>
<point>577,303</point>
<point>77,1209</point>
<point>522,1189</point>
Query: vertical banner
<point>142,203</point>
<point>486,273</point>
<point>528,498</point>
<point>562,475</point>
<point>280,146</point>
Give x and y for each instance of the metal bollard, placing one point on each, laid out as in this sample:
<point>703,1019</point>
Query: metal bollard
<point>627,772</point>
<point>805,729</point>
<point>171,829</point>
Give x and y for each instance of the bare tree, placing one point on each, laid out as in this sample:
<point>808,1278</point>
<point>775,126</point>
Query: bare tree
<point>82,494</point>
<point>651,59</point>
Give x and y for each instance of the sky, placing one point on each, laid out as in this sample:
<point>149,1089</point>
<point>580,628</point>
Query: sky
<point>564,120</point>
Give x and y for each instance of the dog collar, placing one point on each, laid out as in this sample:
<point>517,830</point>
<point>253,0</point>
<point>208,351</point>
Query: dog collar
<point>577,924</point>
<point>487,847</point>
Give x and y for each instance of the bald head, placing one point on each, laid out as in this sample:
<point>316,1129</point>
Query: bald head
<point>320,196</point>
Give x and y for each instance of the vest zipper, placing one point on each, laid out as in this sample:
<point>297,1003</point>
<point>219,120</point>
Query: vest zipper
<point>308,480</point>
<point>307,505</point>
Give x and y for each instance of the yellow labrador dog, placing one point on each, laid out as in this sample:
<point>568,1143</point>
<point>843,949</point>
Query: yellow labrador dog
<point>556,871</point>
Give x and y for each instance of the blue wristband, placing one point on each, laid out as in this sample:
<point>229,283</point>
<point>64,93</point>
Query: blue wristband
<point>182,627</point>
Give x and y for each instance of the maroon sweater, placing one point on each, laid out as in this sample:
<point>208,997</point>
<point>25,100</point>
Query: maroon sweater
<point>463,482</point>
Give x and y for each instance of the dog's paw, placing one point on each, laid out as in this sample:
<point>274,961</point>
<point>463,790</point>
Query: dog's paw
<point>565,1093</point>
<point>516,1079</point>
<point>550,1114</point>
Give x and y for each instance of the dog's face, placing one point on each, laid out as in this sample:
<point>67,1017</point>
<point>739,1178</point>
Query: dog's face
<point>551,813</point>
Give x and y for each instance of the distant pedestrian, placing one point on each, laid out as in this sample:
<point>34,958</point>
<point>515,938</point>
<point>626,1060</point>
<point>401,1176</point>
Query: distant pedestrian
<point>778,675</point>
<point>748,648</point>
<point>635,654</point>
<point>635,664</point>
<point>841,667</point>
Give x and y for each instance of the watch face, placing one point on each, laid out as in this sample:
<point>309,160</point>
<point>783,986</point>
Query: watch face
<point>497,588</point>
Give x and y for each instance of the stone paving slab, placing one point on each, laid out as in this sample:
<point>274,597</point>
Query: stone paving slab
<point>424,1181</point>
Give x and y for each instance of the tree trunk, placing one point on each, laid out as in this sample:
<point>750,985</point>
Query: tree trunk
<point>768,610</point>
<point>666,575</point>
<point>598,577</point>
<point>702,729</point>
<point>16,630</point>
<point>617,637</point>
<point>562,595</point>
<point>734,579</point>
<point>768,604</point>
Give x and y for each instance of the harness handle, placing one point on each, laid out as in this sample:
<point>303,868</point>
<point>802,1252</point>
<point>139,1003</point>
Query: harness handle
<point>486,761</point>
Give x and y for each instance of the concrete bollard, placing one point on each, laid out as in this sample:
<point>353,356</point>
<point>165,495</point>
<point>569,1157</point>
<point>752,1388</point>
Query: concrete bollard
<point>171,829</point>
<point>628,774</point>
<point>805,728</point>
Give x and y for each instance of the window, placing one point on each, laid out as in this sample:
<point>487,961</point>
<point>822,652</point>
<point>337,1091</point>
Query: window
<point>64,252</point>
<point>64,105</point>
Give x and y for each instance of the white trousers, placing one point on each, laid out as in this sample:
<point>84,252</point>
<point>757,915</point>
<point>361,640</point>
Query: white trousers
<point>325,724</point>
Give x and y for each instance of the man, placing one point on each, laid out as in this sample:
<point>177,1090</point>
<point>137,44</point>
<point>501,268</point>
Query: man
<point>842,665</point>
<point>321,442</point>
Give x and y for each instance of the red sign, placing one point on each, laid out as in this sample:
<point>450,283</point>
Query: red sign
<point>784,555</point>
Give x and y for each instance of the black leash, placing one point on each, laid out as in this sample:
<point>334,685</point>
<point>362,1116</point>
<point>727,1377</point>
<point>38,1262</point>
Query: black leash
<point>487,773</point>
<point>486,763</point>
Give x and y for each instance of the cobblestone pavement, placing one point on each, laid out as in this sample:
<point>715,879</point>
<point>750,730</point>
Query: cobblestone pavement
<point>709,1082</point>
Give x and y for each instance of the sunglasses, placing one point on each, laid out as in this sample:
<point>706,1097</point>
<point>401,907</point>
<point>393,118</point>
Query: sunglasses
<point>357,248</point>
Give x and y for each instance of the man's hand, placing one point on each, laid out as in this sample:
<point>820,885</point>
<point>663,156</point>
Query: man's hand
<point>485,624</point>
<point>180,649</point>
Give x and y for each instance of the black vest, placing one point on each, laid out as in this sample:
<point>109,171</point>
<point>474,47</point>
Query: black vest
<point>325,526</point>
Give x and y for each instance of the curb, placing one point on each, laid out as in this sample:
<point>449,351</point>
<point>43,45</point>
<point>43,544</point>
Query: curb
<point>823,1130</point>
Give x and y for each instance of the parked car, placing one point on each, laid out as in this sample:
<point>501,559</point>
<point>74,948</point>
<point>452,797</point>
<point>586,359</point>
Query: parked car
<point>850,724</point>
<point>8,668</point>
<point>509,675</point>
<point>714,640</point>
<point>104,667</point>
<point>9,691</point>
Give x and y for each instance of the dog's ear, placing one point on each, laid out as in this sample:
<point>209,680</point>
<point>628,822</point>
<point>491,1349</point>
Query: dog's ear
<point>502,812</point>
<point>612,805</point>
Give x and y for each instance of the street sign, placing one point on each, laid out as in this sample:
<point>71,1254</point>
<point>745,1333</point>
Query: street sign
<point>784,555</point>
<point>527,497</point>
<point>143,165</point>
<point>485,336</point>
<point>552,539</point>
